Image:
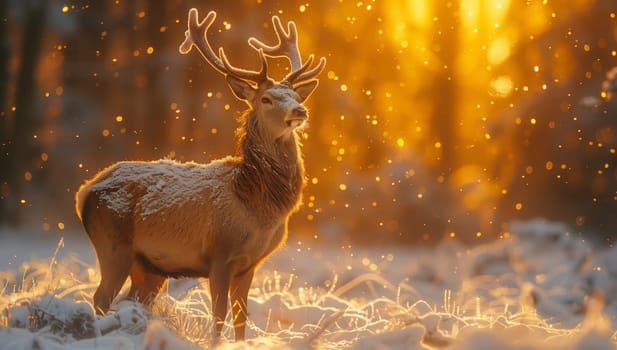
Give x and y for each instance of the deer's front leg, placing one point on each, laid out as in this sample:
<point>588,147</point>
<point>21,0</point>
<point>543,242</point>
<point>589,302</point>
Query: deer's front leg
<point>239,291</point>
<point>219,287</point>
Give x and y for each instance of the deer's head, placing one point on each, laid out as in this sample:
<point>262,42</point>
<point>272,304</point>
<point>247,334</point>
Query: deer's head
<point>277,105</point>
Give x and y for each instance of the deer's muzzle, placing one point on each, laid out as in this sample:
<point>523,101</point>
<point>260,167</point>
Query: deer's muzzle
<point>299,111</point>
<point>297,117</point>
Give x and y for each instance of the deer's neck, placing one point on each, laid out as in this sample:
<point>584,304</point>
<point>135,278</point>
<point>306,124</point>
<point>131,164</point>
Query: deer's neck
<point>271,174</point>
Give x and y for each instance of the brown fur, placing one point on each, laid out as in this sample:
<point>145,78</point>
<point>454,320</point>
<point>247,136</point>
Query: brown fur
<point>241,219</point>
<point>153,220</point>
<point>270,178</point>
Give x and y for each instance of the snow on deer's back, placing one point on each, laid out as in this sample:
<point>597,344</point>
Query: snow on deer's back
<point>162,185</point>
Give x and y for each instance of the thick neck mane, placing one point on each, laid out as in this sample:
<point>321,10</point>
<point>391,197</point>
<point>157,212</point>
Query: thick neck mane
<point>271,175</point>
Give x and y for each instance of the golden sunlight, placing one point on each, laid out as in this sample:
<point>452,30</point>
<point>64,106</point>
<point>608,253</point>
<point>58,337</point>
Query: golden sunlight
<point>451,182</point>
<point>501,86</point>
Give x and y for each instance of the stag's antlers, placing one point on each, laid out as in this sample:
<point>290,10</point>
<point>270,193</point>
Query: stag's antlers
<point>289,39</point>
<point>288,47</point>
<point>196,35</point>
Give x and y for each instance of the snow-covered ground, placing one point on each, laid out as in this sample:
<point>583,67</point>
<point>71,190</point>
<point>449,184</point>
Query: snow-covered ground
<point>538,288</point>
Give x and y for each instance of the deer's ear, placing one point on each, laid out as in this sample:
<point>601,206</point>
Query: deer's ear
<point>305,89</point>
<point>241,89</point>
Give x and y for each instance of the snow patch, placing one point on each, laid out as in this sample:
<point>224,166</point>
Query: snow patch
<point>539,289</point>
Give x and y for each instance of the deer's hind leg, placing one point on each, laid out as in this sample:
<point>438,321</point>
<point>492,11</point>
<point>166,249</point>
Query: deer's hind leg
<point>145,285</point>
<point>115,264</point>
<point>115,268</point>
<point>113,251</point>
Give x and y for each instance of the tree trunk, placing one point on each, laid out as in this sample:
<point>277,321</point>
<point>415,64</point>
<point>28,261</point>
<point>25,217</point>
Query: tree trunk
<point>19,148</point>
<point>4,113</point>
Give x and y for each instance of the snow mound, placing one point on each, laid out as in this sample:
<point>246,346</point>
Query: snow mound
<point>538,288</point>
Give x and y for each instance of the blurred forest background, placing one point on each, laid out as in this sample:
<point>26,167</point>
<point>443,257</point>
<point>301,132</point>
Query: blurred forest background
<point>432,119</point>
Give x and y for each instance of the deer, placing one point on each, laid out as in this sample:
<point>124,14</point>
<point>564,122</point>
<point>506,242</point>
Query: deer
<point>154,220</point>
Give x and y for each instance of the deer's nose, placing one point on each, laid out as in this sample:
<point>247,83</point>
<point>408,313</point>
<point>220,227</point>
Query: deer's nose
<point>299,111</point>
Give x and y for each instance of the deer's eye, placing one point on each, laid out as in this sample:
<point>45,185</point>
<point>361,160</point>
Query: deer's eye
<point>266,100</point>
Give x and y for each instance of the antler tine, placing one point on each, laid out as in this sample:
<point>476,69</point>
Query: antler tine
<point>257,77</point>
<point>293,76</point>
<point>313,72</point>
<point>303,75</point>
<point>287,45</point>
<point>196,35</point>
